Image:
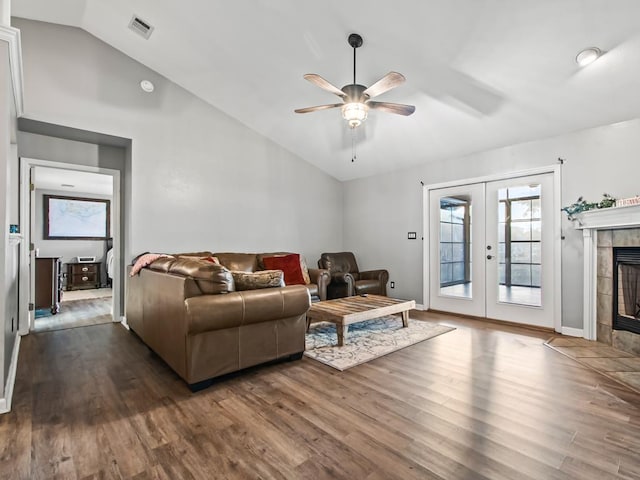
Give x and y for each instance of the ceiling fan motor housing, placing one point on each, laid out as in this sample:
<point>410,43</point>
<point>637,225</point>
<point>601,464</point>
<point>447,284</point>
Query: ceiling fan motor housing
<point>355,93</point>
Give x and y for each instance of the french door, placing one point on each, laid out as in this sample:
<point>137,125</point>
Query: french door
<point>491,249</point>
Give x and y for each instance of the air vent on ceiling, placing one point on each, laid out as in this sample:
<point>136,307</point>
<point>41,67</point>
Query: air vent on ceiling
<point>140,26</point>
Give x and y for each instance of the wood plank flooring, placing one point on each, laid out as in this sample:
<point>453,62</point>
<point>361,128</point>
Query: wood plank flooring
<point>482,402</point>
<point>77,313</point>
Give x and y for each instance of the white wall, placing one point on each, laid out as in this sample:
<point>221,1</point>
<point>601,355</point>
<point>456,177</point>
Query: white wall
<point>380,210</point>
<point>199,178</point>
<point>8,248</point>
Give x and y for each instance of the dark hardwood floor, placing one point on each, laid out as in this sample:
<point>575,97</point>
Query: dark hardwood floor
<point>484,401</point>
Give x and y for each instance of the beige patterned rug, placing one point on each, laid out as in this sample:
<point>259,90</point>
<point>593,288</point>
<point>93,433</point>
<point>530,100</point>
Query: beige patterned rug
<point>367,340</point>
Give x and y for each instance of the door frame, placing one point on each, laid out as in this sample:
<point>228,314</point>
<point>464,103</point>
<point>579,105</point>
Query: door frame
<point>27,269</point>
<point>557,229</point>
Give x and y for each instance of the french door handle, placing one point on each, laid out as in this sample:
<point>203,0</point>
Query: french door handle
<point>489,257</point>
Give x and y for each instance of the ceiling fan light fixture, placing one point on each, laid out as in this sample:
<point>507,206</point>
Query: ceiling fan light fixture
<point>355,113</point>
<point>588,55</point>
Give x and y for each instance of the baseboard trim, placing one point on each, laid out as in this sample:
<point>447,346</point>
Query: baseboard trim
<point>419,306</point>
<point>123,322</point>
<point>5,403</point>
<point>572,332</point>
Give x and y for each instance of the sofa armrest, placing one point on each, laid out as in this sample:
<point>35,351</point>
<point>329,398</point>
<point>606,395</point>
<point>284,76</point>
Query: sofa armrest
<point>345,279</point>
<point>381,275</point>
<point>229,310</point>
<point>322,278</point>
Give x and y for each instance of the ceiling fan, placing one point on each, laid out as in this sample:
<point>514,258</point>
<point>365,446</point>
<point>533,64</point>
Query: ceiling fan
<point>356,99</point>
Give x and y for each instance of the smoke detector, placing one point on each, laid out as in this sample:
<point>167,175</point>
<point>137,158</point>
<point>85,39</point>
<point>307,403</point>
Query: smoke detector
<point>141,27</point>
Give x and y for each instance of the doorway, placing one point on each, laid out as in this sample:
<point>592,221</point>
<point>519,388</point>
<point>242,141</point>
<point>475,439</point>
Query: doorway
<point>80,287</point>
<point>493,249</point>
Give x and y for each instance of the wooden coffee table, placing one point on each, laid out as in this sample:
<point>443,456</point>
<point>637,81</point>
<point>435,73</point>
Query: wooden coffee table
<point>345,311</point>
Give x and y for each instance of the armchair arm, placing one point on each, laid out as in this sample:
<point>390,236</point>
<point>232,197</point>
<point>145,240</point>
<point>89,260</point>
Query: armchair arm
<point>322,278</point>
<point>382,276</point>
<point>345,278</point>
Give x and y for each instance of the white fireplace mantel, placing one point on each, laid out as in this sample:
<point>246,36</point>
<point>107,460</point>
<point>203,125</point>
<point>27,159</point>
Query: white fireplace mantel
<point>590,222</point>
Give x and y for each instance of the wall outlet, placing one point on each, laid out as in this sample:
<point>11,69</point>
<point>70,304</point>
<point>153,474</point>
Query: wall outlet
<point>412,235</point>
<point>392,284</point>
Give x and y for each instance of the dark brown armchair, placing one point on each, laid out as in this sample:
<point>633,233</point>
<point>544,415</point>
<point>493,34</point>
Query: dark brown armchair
<point>347,280</point>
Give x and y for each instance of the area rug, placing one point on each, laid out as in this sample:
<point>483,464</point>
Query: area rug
<point>366,340</point>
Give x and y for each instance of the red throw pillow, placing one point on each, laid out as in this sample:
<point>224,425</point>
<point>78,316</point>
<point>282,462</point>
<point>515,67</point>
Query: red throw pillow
<point>289,264</point>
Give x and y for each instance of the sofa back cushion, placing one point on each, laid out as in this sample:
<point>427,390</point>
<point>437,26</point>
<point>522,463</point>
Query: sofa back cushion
<point>341,262</point>
<point>238,262</point>
<point>210,278</point>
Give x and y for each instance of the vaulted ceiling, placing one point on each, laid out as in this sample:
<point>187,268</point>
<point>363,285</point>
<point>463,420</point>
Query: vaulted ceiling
<point>481,73</point>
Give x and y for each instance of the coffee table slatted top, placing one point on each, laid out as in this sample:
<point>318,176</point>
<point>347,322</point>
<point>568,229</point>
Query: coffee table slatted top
<point>348,310</point>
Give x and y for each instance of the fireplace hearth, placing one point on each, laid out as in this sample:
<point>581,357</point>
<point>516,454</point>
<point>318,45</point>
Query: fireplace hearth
<point>626,289</point>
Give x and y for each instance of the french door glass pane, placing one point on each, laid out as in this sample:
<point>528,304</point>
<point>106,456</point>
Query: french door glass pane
<point>455,243</point>
<point>519,244</point>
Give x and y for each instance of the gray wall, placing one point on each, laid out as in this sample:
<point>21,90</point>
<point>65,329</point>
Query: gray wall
<point>199,179</point>
<point>379,211</point>
<point>67,249</point>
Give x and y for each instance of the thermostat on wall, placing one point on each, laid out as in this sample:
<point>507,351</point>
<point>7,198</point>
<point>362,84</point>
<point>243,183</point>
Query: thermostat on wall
<point>86,259</point>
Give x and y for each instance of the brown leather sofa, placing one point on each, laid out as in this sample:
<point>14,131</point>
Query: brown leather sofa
<point>347,280</point>
<point>189,312</point>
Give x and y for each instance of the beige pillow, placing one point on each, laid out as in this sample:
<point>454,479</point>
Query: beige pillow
<point>257,280</point>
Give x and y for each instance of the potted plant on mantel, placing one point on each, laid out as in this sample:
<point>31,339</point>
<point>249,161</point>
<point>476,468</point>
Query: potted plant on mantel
<point>582,205</point>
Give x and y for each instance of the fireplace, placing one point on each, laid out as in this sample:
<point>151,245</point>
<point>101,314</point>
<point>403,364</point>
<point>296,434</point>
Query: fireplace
<point>626,289</point>
<point>604,230</point>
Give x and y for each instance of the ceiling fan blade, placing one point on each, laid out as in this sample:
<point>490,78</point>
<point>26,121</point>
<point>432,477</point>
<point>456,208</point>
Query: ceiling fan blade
<point>319,107</point>
<point>386,83</point>
<point>322,83</point>
<point>397,108</point>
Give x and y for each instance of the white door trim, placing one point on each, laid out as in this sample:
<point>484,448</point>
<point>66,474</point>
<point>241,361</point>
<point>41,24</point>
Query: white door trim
<point>25,271</point>
<point>557,225</point>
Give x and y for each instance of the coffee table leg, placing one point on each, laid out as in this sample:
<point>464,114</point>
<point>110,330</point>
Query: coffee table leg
<point>341,330</point>
<point>405,318</point>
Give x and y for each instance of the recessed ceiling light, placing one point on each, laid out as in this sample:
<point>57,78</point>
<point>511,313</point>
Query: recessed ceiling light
<point>588,55</point>
<point>147,86</point>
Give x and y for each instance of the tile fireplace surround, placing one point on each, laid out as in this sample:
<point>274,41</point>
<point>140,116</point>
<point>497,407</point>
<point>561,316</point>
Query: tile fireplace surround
<point>602,231</point>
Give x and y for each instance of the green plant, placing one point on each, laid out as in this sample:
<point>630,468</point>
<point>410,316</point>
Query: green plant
<point>582,205</point>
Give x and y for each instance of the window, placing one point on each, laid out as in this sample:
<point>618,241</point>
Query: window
<point>519,247</point>
<point>455,241</point>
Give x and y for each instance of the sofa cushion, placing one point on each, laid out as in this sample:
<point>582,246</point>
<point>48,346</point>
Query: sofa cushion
<point>194,254</point>
<point>289,264</point>
<point>238,262</point>
<point>257,280</point>
<point>210,278</point>
<point>162,264</point>
<point>209,258</point>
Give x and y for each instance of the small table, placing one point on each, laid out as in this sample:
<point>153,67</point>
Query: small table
<point>345,311</point>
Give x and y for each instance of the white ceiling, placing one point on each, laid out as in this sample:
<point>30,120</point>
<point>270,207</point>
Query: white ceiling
<point>73,181</point>
<point>481,73</point>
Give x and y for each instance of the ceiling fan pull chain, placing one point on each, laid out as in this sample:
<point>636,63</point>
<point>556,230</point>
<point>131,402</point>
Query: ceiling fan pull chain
<point>353,144</point>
